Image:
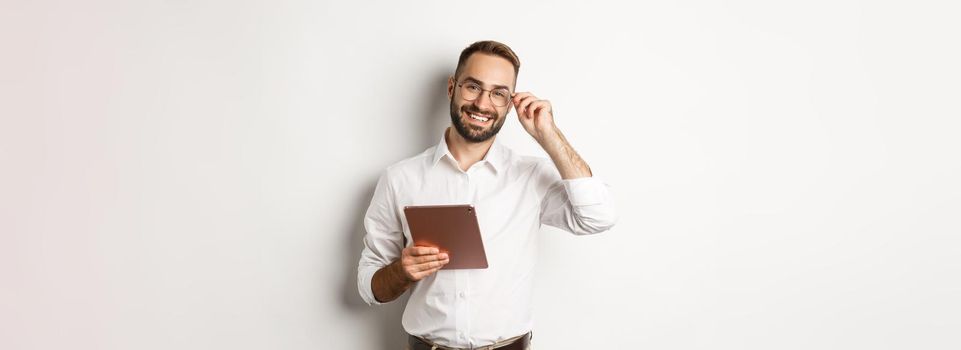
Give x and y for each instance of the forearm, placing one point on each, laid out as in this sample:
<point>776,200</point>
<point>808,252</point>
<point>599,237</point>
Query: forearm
<point>567,161</point>
<point>389,282</point>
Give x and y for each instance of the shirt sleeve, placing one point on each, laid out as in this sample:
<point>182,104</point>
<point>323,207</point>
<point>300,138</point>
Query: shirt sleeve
<point>384,239</point>
<point>580,206</point>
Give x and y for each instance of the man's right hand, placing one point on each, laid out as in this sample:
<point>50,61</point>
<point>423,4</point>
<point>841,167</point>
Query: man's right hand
<point>419,262</point>
<point>415,264</point>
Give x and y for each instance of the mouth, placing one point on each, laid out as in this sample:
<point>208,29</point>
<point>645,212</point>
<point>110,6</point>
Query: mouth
<point>478,119</point>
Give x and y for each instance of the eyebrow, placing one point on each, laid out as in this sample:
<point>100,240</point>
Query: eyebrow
<point>472,79</point>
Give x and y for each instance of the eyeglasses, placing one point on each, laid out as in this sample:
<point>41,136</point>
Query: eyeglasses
<point>471,91</point>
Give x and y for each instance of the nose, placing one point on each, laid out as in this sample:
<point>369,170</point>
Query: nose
<point>483,102</point>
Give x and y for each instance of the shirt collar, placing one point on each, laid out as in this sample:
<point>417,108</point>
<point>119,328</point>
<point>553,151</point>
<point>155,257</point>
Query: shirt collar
<point>494,157</point>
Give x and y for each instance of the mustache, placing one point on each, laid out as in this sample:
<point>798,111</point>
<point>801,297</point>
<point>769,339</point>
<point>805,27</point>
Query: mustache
<point>474,110</point>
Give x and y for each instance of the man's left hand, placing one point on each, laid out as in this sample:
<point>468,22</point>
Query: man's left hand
<point>536,116</point>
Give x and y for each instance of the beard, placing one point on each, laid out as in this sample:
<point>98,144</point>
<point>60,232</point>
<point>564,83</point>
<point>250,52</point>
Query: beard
<point>474,133</point>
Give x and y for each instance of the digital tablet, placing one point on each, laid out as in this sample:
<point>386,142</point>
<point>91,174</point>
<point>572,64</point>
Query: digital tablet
<point>452,229</point>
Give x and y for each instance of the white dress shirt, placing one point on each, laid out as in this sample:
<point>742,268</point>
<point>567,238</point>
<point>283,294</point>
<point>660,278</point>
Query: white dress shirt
<point>513,196</point>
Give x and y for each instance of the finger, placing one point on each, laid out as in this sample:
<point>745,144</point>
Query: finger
<point>519,95</point>
<point>428,258</point>
<point>525,103</point>
<point>526,96</point>
<point>541,104</point>
<point>517,105</point>
<point>421,275</point>
<point>428,265</point>
<point>417,250</point>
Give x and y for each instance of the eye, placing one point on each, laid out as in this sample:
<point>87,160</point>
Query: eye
<point>473,87</point>
<point>500,93</point>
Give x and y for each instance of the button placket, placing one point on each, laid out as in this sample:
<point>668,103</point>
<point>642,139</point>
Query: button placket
<point>462,313</point>
<point>471,187</point>
<point>462,289</point>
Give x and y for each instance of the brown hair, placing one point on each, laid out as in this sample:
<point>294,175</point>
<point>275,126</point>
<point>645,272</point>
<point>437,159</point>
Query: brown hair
<point>489,47</point>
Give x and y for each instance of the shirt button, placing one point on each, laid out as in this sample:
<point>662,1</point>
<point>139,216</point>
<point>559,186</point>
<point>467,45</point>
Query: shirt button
<point>461,294</point>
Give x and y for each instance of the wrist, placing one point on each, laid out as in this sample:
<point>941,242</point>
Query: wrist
<point>548,136</point>
<point>397,269</point>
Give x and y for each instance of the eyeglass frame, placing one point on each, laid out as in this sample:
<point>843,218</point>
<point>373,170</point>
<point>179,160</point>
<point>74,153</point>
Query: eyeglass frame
<point>509,92</point>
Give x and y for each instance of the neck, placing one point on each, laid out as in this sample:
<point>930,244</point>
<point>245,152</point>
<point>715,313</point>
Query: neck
<point>465,152</point>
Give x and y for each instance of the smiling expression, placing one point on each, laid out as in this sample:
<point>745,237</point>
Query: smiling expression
<point>479,120</point>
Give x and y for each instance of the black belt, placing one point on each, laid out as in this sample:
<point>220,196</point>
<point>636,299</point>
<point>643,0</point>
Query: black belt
<point>521,343</point>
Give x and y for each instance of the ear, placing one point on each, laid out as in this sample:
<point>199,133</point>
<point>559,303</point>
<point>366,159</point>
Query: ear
<point>450,87</point>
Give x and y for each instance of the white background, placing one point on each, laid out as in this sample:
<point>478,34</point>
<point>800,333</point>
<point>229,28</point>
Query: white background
<point>192,174</point>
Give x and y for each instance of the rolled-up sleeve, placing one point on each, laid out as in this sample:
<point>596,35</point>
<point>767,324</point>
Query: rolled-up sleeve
<point>384,239</point>
<point>580,206</point>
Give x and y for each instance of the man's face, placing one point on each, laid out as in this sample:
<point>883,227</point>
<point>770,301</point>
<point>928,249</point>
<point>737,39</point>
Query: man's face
<point>490,72</point>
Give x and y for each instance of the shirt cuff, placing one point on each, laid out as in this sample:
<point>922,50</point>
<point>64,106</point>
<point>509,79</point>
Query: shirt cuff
<point>364,277</point>
<point>585,191</point>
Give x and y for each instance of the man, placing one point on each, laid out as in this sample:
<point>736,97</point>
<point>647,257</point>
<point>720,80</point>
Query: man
<point>513,196</point>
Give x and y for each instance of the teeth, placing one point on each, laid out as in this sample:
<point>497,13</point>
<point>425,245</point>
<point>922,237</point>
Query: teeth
<point>478,117</point>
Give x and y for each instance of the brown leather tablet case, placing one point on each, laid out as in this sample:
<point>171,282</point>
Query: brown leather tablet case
<point>451,228</point>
